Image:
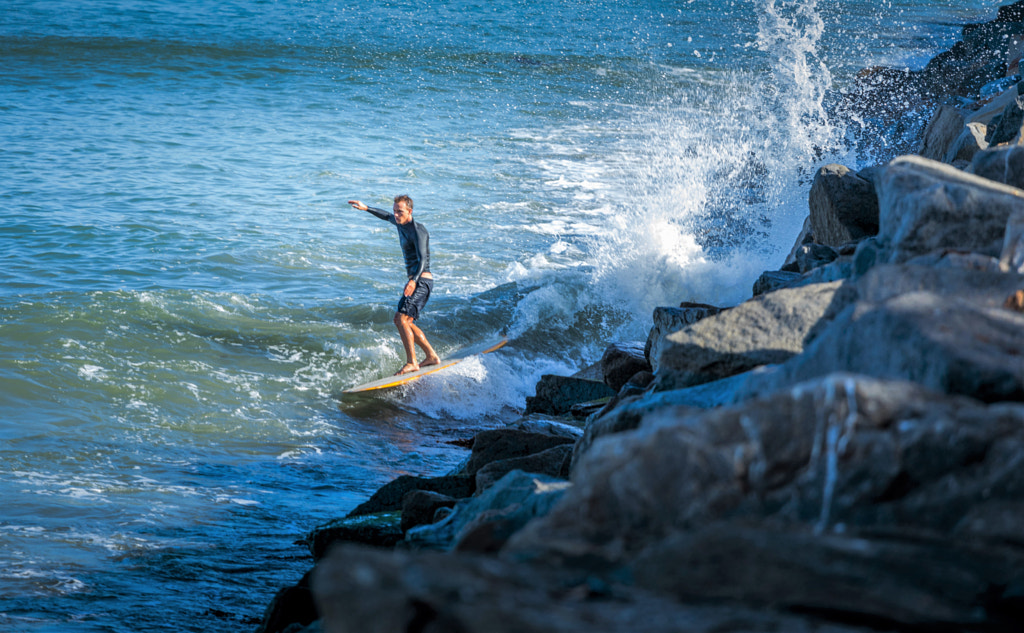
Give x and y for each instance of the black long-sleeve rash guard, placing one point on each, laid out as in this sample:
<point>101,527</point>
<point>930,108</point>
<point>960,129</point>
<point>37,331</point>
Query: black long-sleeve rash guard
<point>415,243</point>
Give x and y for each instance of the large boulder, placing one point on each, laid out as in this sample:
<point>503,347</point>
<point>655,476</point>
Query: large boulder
<point>1002,164</point>
<point>772,280</point>
<point>765,330</point>
<point>621,361</point>
<point>383,529</point>
<point>556,395</point>
<point>1008,127</point>
<point>553,462</point>
<point>945,328</point>
<point>844,207</point>
<point>388,497</point>
<point>926,206</point>
<point>669,319</point>
<point>503,444</point>
<point>946,124</point>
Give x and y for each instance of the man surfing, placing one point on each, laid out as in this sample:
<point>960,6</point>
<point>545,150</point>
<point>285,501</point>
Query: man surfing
<point>415,242</point>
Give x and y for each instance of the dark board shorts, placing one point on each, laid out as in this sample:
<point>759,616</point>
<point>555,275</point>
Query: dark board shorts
<point>414,303</point>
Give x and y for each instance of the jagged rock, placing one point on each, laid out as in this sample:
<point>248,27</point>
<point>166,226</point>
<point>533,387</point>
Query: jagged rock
<point>842,450</point>
<point>553,462</point>
<point>946,124</point>
<point>772,280</point>
<point>557,394</point>
<point>966,146</point>
<point>805,237</point>
<point>1011,259</point>
<point>668,320</point>
<point>502,444</point>
<point>546,426</point>
<point>1008,127</point>
<point>946,329</point>
<point>398,592</point>
<point>811,256</point>
<point>766,330</point>
<point>292,608</point>
<point>516,497</point>
<point>382,529</point>
<point>621,361</point>
<point>1001,164</point>
<point>928,206</point>
<point>419,507</point>
<point>389,497</point>
<point>843,206</point>
<point>908,580</point>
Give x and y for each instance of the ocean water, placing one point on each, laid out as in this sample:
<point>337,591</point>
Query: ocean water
<point>184,293</point>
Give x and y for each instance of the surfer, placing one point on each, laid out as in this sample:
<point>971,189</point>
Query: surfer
<point>415,244</point>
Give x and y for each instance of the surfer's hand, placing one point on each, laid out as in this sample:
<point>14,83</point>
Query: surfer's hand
<point>410,287</point>
<point>359,205</point>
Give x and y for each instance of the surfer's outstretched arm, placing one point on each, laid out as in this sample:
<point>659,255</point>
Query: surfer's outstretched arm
<point>380,213</point>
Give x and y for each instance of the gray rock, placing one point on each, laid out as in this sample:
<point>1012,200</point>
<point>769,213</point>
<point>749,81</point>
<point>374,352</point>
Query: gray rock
<point>967,145</point>
<point>364,591</point>
<point>557,394</point>
<point>1009,126</point>
<point>843,206</point>
<point>942,130</point>
<point>502,444</point>
<point>811,256</point>
<point>766,330</point>
<point>772,280</point>
<point>553,462</point>
<point>383,529</point>
<point>389,497</point>
<point>1011,259</point>
<point>1001,164</point>
<point>668,320</point>
<point>805,237</point>
<point>420,507</point>
<point>621,361</point>
<point>928,206</point>
<point>546,426</point>
<point>946,329</point>
<point>517,496</point>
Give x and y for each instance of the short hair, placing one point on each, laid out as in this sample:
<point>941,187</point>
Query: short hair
<point>406,199</point>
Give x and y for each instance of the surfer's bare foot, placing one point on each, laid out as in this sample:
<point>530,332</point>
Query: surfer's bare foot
<point>407,368</point>
<point>431,360</point>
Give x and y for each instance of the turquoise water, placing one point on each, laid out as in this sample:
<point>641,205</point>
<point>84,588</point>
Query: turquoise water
<point>185,294</point>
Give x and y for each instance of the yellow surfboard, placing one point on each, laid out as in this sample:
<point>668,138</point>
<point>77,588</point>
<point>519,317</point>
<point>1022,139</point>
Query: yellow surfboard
<point>455,359</point>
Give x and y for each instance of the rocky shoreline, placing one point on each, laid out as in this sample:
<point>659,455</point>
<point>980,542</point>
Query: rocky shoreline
<point>843,452</point>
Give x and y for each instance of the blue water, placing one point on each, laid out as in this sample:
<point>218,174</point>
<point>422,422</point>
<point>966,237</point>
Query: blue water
<point>184,293</point>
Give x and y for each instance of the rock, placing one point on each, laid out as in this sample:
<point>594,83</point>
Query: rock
<point>910,581</point>
<point>557,394</point>
<point>928,206</point>
<point>378,530</point>
<point>420,507</point>
<point>805,237</point>
<point>291,608</point>
<point>811,256</point>
<point>516,497</point>
<point>545,426</point>
<point>766,330</point>
<point>1011,259</point>
<point>843,450</point>
<point>502,444</point>
<point>399,592</point>
<point>621,361</point>
<point>843,206</point>
<point>668,320</point>
<point>946,124</point>
<point>966,146</point>
<point>1009,126</point>
<point>553,462</point>
<point>590,372</point>
<point>389,497</point>
<point>772,280</point>
<point>1001,164</point>
<point>946,329</point>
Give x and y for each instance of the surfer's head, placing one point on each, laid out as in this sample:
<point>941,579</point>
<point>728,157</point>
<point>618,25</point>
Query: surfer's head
<point>402,209</point>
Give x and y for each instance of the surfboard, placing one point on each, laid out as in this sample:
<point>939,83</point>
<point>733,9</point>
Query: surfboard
<point>454,359</point>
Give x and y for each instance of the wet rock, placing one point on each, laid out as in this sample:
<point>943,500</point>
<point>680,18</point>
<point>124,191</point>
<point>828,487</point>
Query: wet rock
<point>967,145</point>
<point>502,444</point>
<point>517,496</point>
<point>546,426</point>
<point>291,609</point>
<point>621,361</point>
<point>553,462</point>
<point>1011,259</point>
<point>843,206</point>
<point>668,320</point>
<point>772,280</point>
<point>420,507</point>
<point>942,130</point>
<point>557,394</point>
<point>928,206</point>
<point>811,256</point>
<point>1008,128</point>
<point>389,497</point>
<point>397,592</point>
<point>766,330</point>
<point>1001,164</point>
<point>805,237</point>
<point>378,530</point>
